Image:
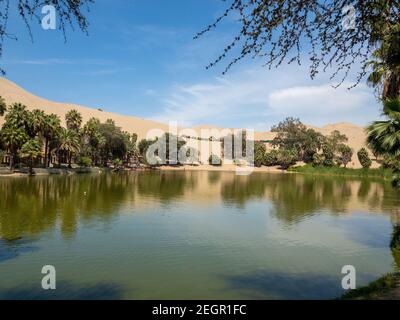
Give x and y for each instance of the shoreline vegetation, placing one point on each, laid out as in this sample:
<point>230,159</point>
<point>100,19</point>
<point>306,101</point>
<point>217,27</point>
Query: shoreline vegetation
<point>388,286</point>
<point>385,288</point>
<point>35,143</point>
<point>386,174</point>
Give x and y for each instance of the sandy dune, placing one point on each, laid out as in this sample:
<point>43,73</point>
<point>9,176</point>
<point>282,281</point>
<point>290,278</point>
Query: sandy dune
<point>12,93</point>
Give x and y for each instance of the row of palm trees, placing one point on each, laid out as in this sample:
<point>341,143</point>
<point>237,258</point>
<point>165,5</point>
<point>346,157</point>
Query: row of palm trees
<point>34,134</point>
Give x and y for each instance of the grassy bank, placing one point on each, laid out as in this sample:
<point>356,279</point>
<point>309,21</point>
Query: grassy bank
<point>387,287</point>
<point>309,169</point>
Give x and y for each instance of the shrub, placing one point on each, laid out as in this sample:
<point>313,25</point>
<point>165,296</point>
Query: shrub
<point>329,155</point>
<point>271,158</point>
<point>364,158</point>
<point>345,155</point>
<point>85,162</point>
<point>396,175</point>
<point>118,163</point>
<point>318,160</point>
<point>259,154</point>
<point>287,158</point>
<point>391,162</point>
<point>214,160</point>
<point>395,242</point>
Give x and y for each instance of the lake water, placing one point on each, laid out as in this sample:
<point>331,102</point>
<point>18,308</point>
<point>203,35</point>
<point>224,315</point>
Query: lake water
<point>193,235</point>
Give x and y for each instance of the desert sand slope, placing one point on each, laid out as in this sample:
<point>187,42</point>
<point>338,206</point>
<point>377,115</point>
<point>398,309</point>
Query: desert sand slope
<point>12,93</point>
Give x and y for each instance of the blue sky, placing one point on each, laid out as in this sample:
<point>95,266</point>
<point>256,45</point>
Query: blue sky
<point>140,59</point>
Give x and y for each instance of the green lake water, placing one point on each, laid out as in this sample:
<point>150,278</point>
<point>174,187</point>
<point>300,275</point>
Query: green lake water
<point>193,235</point>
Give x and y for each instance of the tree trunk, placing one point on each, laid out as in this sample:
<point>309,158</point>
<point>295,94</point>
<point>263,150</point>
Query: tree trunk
<point>46,145</point>
<point>11,162</point>
<point>70,160</point>
<point>391,87</point>
<point>30,166</point>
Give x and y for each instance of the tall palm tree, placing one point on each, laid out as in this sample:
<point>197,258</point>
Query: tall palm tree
<point>15,130</point>
<point>46,127</point>
<point>91,127</point>
<point>91,136</point>
<point>38,123</point>
<point>69,143</point>
<point>51,129</point>
<point>73,120</point>
<point>13,138</point>
<point>385,66</point>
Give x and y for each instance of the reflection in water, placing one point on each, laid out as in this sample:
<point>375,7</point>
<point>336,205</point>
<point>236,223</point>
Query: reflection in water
<point>171,232</point>
<point>296,196</point>
<point>277,285</point>
<point>11,249</point>
<point>65,290</point>
<point>35,205</point>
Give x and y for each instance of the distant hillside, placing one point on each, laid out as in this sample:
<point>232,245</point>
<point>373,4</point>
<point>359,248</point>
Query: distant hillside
<point>12,93</point>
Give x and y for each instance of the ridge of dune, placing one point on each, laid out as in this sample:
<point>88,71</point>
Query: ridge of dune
<point>13,93</point>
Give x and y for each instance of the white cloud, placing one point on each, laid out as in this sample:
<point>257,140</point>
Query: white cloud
<point>260,97</point>
<point>217,102</point>
<point>322,100</point>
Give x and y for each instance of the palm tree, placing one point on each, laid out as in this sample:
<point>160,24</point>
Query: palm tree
<point>13,139</point>
<point>52,127</point>
<point>31,150</point>
<point>91,127</point>
<point>15,130</point>
<point>91,136</point>
<point>38,123</point>
<point>384,78</point>
<point>73,120</point>
<point>69,143</point>
<point>45,126</point>
<point>386,68</point>
<point>384,136</point>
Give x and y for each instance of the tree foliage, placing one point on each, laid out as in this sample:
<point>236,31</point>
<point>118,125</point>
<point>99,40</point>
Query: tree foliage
<point>363,157</point>
<point>293,134</point>
<point>271,158</point>
<point>278,31</point>
<point>3,106</point>
<point>345,155</point>
<point>287,158</point>
<point>31,150</point>
<point>259,153</point>
<point>68,142</point>
<point>73,120</point>
<point>384,136</point>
